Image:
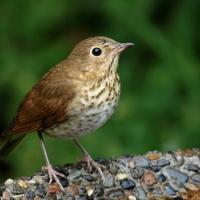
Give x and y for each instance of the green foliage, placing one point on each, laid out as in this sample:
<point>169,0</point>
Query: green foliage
<point>160,101</point>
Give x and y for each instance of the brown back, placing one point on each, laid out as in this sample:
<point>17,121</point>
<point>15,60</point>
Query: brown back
<point>46,104</point>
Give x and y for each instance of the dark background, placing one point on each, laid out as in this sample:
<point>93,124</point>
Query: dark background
<point>160,101</point>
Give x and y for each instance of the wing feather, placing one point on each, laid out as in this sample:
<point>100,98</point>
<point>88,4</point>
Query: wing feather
<point>44,106</point>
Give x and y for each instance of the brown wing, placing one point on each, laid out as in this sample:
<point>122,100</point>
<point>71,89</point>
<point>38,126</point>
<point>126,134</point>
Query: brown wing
<point>45,105</point>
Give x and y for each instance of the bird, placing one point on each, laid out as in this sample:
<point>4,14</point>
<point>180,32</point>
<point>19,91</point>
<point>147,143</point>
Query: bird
<point>74,98</point>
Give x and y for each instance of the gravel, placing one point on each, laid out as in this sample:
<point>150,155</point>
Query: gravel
<point>155,175</point>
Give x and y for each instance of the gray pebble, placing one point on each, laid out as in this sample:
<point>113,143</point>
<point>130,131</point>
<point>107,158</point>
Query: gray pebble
<point>193,168</point>
<point>163,163</point>
<point>179,160</point>
<point>140,193</point>
<point>75,175</point>
<point>137,172</point>
<point>162,178</point>
<point>170,191</point>
<point>109,181</point>
<point>156,168</point>
<point>127,184</point>
<point>115,194</point>
<point>69,198</point>
<point>16,189</point>
<point>89,178</point>
<point>99,192</point>
<point>196,178</point>
<point>142,162</point>
<point>113,168</point>
<point>180,177</point>
<point>41,191</point>
<point>30,195</point>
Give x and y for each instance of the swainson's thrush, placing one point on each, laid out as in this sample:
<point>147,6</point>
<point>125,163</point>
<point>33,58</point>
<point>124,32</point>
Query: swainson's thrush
<point>74,98</point>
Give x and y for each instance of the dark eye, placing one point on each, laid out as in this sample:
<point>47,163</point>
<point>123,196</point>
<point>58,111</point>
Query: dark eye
<point>96,51</point>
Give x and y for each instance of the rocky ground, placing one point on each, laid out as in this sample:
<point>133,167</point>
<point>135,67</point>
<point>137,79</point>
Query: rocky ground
<point>154,176</point>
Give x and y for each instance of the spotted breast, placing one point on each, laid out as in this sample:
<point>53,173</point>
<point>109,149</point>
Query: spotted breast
<point>98,102</point>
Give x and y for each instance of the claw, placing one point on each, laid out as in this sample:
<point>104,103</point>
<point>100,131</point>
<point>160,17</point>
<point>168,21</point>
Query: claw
<point>53,175</point>
<point>91,163</point>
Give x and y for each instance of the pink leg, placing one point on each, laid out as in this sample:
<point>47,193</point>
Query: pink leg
<point>53,174</point>
<point>90,162</point>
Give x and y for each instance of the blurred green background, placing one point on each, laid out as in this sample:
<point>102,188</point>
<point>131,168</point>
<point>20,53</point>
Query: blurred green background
<point>160,101</point>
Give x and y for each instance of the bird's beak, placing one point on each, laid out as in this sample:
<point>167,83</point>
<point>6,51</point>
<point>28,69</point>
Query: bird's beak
<point>122,46</point>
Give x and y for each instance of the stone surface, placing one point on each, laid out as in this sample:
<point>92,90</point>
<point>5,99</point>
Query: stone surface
<point>155,176</point>
<point>127,184</point>
<point>177,175</point>
<point>196,178</point>
<point>149,178</point>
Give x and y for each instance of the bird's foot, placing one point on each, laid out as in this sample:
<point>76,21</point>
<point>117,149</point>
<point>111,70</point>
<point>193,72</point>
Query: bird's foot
<point>53,175</point>
<point>91,163</point>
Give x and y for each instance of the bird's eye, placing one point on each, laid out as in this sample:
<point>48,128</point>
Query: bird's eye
<point>96,51</point>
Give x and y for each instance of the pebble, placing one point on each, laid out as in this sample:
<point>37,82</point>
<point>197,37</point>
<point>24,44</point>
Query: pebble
<point>73,190</point>
<point>131,197</point>
<point>16,189</point>
<point>188,152</point>
<point>98,192</point>
<point>6,196</point>
<point>115,194</point>
<point>113,168</point>
<point>180,177</point>
<point>53,188</point>
<point>140,193</point>
<point>75,175</point>
<point>162,178</point>
<point>121,176</point>
<point>179,160</point>
<point>170,191</point>
<point>153,156</point>
<point>30,195</point>
<point>82,191</point>
<point>64,181</point>
<point>68,198</point>
<point>89,178</point>
<point>22,184</point>
<point>131,164</point>
<point>196,178</point>
<point>18,197</point>
<point>127,184</point>
<point>109,181</point>
<point>149,178</point>
<point>142,162</point>
<point>38,179</point>
<point>193,168</point>
<point>41,192</point>
<point>32,182</point>
<point>9,182</point>
<point>156,168</point>
<point>191,187</point>
<point>163,163</point>
<point>137,172</point>
<point>90,192</point>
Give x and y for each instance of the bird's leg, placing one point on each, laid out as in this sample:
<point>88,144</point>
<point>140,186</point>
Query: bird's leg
<point>53,174</point>
<point>90,162</point>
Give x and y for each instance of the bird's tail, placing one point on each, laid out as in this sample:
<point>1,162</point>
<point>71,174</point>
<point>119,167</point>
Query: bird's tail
<point>9,142</point>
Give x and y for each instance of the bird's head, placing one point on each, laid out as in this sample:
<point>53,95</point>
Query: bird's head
<point>97,54</point>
